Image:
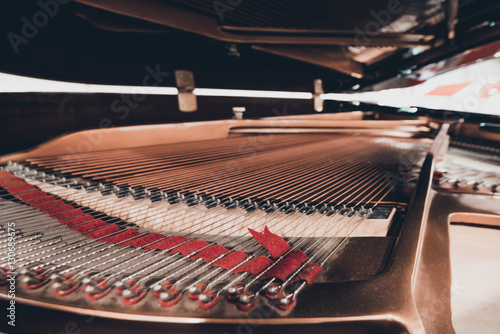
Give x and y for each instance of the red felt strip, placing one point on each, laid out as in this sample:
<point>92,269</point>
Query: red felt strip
<point>103,231</point>
<point>89,226</point>
<point>210,253</point>
<point>308,272</point>
<point>37,285</point>
<point>4,173</point>
<point>47,205</point>
<point>276,245</point>
<point>41,200</point>
<point>230,260</point>
<point>168,243</point>
<point>59,209</point>
<point>10,180</point>
<point>272,242</point>
<point>282,269</point>
<point>144,240</point>
<point>31,195</point>
<point>254,266</point>
<point>78,220</point>
<point>285,267</point>
<point>69,214</point>
<point>297,255</point>
<point>19,187</point>
<point>61,293</point>
<point>122,236</point>
<point>188,247</point>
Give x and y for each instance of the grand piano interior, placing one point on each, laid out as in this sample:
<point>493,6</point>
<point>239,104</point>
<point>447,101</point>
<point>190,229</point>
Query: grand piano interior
<point>248,166</point>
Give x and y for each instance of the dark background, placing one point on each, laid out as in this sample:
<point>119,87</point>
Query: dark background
<point>90,45</point>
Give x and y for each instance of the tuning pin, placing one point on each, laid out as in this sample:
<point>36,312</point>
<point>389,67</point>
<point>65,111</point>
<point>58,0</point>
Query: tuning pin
<point>121,286</point>
<point>273,291</point>
<point>233,293</point>
<point>287,302</point>
<point>208,300</point>
<point>128,293</point>
<point>96,288</point>
<point>133,295</point>
<point>34,279</point>
<point>63,284</point>
<point>56,277</point>
<point>170,298</point>
<point>246,302</point>
<point>195,291</point>
<point>160,288</point>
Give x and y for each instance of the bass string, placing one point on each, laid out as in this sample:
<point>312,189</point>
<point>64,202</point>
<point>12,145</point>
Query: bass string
<point>216,170</point>
<point>358,195</point>
<point>381,186</point>
<point>246,162</point>
<point>136,161</point>
<point>133,158</point>
<point>226,190</point>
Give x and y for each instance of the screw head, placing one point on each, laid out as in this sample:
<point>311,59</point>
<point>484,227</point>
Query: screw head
<point>245,299</point>
<point>285,301</point>
<point>194,290</point>
<point>204,298</point>
<point>165,296</point>
<point>127,293</point>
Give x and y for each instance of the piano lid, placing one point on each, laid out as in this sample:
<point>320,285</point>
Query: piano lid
<point>246,44</point>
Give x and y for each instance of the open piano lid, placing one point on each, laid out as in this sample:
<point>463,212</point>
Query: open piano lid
<point>281,45</point>
<point>278,45</point>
